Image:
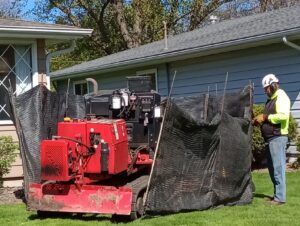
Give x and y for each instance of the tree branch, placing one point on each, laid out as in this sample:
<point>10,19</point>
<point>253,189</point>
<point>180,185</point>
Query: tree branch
<point>137,22</point>
<point>173,17</point>
<point>66,11</point>
<point>90,10</point>
<point>119,9</point>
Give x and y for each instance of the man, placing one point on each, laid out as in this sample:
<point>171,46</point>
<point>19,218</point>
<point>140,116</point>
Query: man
<point>274,124</point>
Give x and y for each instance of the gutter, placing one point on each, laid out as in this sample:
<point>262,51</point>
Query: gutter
<point>57,53</point>
<point>290,44</point>
<point>70,31</point>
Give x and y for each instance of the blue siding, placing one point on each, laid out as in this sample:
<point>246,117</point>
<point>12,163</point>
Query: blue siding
<point>195,76</point>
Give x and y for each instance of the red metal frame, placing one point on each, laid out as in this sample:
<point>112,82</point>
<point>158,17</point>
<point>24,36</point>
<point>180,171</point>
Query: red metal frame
<point>90,199</point>
<point>72,176</point>
<point>54,160</point>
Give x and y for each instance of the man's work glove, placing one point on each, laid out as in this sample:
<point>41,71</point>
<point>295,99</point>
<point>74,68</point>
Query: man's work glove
<point>258,120</point>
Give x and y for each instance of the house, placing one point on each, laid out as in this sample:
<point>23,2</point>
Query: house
<point>23,64</point>
<point>247,48</point>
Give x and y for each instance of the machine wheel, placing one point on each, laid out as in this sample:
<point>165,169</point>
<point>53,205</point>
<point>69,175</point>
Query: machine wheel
<point>138,206</point>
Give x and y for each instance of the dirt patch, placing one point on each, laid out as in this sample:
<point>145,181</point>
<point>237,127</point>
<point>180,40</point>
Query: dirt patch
<point>11,195</point>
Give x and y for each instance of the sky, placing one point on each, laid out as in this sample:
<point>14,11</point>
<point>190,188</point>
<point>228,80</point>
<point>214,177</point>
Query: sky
<point>29,6</point>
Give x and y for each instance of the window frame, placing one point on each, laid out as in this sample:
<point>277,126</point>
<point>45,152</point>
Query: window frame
<point>149,71</point>
<point>80,82</point>
<point>34,66</point>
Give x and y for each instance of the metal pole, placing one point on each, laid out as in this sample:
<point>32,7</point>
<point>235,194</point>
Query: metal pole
<point>67,98</point>
<point>166,35</point>
<point>224,92</point>
<point>206,105</point>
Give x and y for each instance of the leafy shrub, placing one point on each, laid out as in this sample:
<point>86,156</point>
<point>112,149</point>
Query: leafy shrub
<point>7,153</point>
<point>258,143</point>
<point>293,133</point>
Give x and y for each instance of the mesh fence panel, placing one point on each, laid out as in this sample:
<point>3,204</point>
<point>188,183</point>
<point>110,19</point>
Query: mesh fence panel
<point>204,156</point>
<point>36,113</point>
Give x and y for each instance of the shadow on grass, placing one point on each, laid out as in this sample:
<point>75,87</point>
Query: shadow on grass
<point>81,217</point>
<point>60,215</point>
<point>262,196</point>
<point>154,215</point>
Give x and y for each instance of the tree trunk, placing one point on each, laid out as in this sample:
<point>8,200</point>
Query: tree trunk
<point>119,9</point>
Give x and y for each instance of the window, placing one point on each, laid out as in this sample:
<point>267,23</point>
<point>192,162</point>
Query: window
<point>80,87</point>
<point>153,74</point>
<point>15,71</point>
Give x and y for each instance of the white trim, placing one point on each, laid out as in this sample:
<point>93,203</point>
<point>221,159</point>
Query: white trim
<point>48,81</point>
<point>35,73</point>
<point>48,37</point>
<point>44,32</point>
<point>6,122</point>
<point>80,82</point>
<point>72,31</point>
<point>149,71</point>
<point>35,28</point>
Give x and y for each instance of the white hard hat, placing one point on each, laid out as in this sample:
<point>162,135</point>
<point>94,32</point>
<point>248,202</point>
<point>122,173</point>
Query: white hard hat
<point>268,80</point>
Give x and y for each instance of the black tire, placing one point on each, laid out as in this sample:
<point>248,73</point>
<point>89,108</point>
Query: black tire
<point>138,206</point>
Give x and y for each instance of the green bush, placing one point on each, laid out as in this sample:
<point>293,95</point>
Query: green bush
<point>258,143</point>
<point>293,133</point>
<point>7,153</point>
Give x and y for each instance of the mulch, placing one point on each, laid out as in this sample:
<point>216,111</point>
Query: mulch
<point>11,195</point>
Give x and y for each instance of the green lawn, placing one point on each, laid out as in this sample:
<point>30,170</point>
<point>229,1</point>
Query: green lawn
<point>257,213</point>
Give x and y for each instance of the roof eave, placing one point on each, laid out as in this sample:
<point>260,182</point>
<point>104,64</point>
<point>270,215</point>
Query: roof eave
<point>186,53</point>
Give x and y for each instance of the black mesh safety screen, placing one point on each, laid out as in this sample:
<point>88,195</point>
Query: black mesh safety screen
<point>203,158</point>
<point>204,154</point>
<point>36,113</point>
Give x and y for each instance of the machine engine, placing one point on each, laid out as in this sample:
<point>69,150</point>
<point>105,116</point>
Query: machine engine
<point>137,105</point>
<point>85,149</point>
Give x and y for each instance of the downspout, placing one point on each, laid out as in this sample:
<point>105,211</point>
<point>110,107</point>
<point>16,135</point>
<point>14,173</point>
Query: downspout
<point>49,56</point>
<point>290,44</point>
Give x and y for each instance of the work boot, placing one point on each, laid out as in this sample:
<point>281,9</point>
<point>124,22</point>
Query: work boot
<point>275,203</point>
